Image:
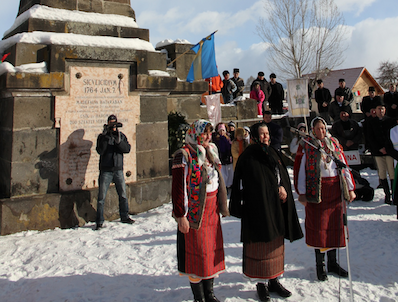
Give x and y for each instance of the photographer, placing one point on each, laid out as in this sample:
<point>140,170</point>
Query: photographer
<point>111,144</point>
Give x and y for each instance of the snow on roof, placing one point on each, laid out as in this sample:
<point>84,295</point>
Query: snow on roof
<point>27,68</point>
<point>48,13</point>
<point>48,38</point>
<point>170,41</point>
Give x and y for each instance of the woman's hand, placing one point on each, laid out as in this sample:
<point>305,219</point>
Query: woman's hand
<point>282,194</point>
<point>352,196</point>
<point>303,199</point>
<point>183,225</point>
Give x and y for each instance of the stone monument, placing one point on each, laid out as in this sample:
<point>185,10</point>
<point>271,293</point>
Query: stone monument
<point>49,121</point>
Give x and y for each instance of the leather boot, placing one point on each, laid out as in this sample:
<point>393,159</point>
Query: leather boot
<point>209,291</point>
<point>333,266</point>
<point>275,286</point>
<point>386,189</point>
<point>198,293</point>
<point>393,200</point>
<point>320,265</point>
<point>262,292</point>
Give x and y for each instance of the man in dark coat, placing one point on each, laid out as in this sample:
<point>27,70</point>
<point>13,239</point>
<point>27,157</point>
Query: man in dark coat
<point>391,101</point>
<point>265,87</point>
<point>346,91</point>
<point>347,131</point>
<point>111,145</point>
<point>267,215</point>
<point>228,89</point>
<point>239,82</point>
<point>368,102</point>
<point>323,99</point>
<point>382,148</point>
<point>276,131</point>
<point>338,105</point>
<point>277,95</point>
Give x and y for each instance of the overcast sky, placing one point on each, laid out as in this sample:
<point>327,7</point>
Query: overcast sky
<point>372,35</point>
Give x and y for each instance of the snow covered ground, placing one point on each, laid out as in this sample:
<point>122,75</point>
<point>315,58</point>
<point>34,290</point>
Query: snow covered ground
<point>138,262</point>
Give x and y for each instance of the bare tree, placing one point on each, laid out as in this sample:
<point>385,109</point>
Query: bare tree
<point>388,73</point>
<point>305,36</point>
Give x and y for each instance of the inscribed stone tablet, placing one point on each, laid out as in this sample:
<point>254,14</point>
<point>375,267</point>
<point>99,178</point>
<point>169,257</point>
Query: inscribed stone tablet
<point>95,93</point>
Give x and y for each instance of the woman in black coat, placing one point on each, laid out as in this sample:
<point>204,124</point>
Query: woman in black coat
<point>262,197</point>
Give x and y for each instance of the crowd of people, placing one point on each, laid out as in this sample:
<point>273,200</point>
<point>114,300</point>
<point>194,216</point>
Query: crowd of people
<point>246,165</point>
<point>268,94</point>
<point>239,171</point>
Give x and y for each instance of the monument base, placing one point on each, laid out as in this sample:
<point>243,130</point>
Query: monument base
<point>70,209</point>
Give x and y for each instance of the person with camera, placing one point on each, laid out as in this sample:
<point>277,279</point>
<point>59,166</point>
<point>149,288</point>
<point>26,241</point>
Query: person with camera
<point>111,145</point>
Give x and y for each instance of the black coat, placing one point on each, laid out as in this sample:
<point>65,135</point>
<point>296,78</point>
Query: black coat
<point>264,216</point>
<point>379,135</point>
<point>111,148</point>
<point>335,109</point>
<point>389,100</point>
<point>323,95</point>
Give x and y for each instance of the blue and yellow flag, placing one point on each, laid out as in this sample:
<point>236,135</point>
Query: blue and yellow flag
<point>204,64</point>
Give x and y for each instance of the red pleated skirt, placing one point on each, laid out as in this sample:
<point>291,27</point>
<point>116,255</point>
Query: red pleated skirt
<point>264,260</point>
<point>324,221</point>
<point>200,253</point>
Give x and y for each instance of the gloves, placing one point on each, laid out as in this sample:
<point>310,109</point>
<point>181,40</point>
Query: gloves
<point>105,131</point>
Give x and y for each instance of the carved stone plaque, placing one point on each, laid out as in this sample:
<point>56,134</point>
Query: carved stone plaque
<point>95,93</point>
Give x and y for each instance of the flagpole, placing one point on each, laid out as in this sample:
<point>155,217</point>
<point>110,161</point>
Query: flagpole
<point>189,50</point>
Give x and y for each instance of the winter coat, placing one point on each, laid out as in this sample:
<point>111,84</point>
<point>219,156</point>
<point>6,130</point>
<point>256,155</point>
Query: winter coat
<point>259,96</point>
<point>110,147</point>
<point>264,216</point>
<point>323,95</point>
<point>335,109</point>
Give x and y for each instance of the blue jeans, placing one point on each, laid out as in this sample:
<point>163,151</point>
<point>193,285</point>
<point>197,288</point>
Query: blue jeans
<point>104,181</point>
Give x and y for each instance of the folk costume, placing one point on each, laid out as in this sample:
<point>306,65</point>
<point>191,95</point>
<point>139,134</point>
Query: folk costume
<point>199,194</point>
<point>316,176</point>
<point>265,219</point>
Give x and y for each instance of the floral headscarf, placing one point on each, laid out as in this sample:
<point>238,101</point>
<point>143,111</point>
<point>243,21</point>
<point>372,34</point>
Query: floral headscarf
<point>195,139</point>
<point>327,141</point>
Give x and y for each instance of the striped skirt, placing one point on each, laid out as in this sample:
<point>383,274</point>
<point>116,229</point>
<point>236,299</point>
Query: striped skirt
<point>200,253</point>
<point>324,221</point>
<point>264,260</point>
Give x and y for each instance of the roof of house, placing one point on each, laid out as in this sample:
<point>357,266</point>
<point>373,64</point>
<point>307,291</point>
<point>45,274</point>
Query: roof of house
<point>350,75</point>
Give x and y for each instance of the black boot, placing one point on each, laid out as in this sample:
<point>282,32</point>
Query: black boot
<point>209,291</point>
<point>386,189</point>
<point>198,293</point>
<point>320,265</point>
<point>333,266</point>
<point>262,292</point>
<point>393,200</point>
<point>275,286</point>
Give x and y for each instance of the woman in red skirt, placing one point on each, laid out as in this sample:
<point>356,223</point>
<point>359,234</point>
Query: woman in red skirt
<point>199,196</point>
<point>318,185</point>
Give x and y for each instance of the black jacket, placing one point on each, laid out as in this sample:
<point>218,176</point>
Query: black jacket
<point>277,95</point>
<point>367,103</point>
<point>264,216</point>
<point>379,135</point>
<point>348,96</point>
<point>276,135</point>
<point>335,109</point>
<point>323,95</point>
<point>389,100</point>
<point>110,147</point>
<point>345,131</point>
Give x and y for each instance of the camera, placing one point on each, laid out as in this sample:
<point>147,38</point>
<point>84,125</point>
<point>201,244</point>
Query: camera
<point>114,124</point>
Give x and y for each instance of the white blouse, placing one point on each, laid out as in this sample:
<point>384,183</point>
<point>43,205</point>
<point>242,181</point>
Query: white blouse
<point>327,170</point>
